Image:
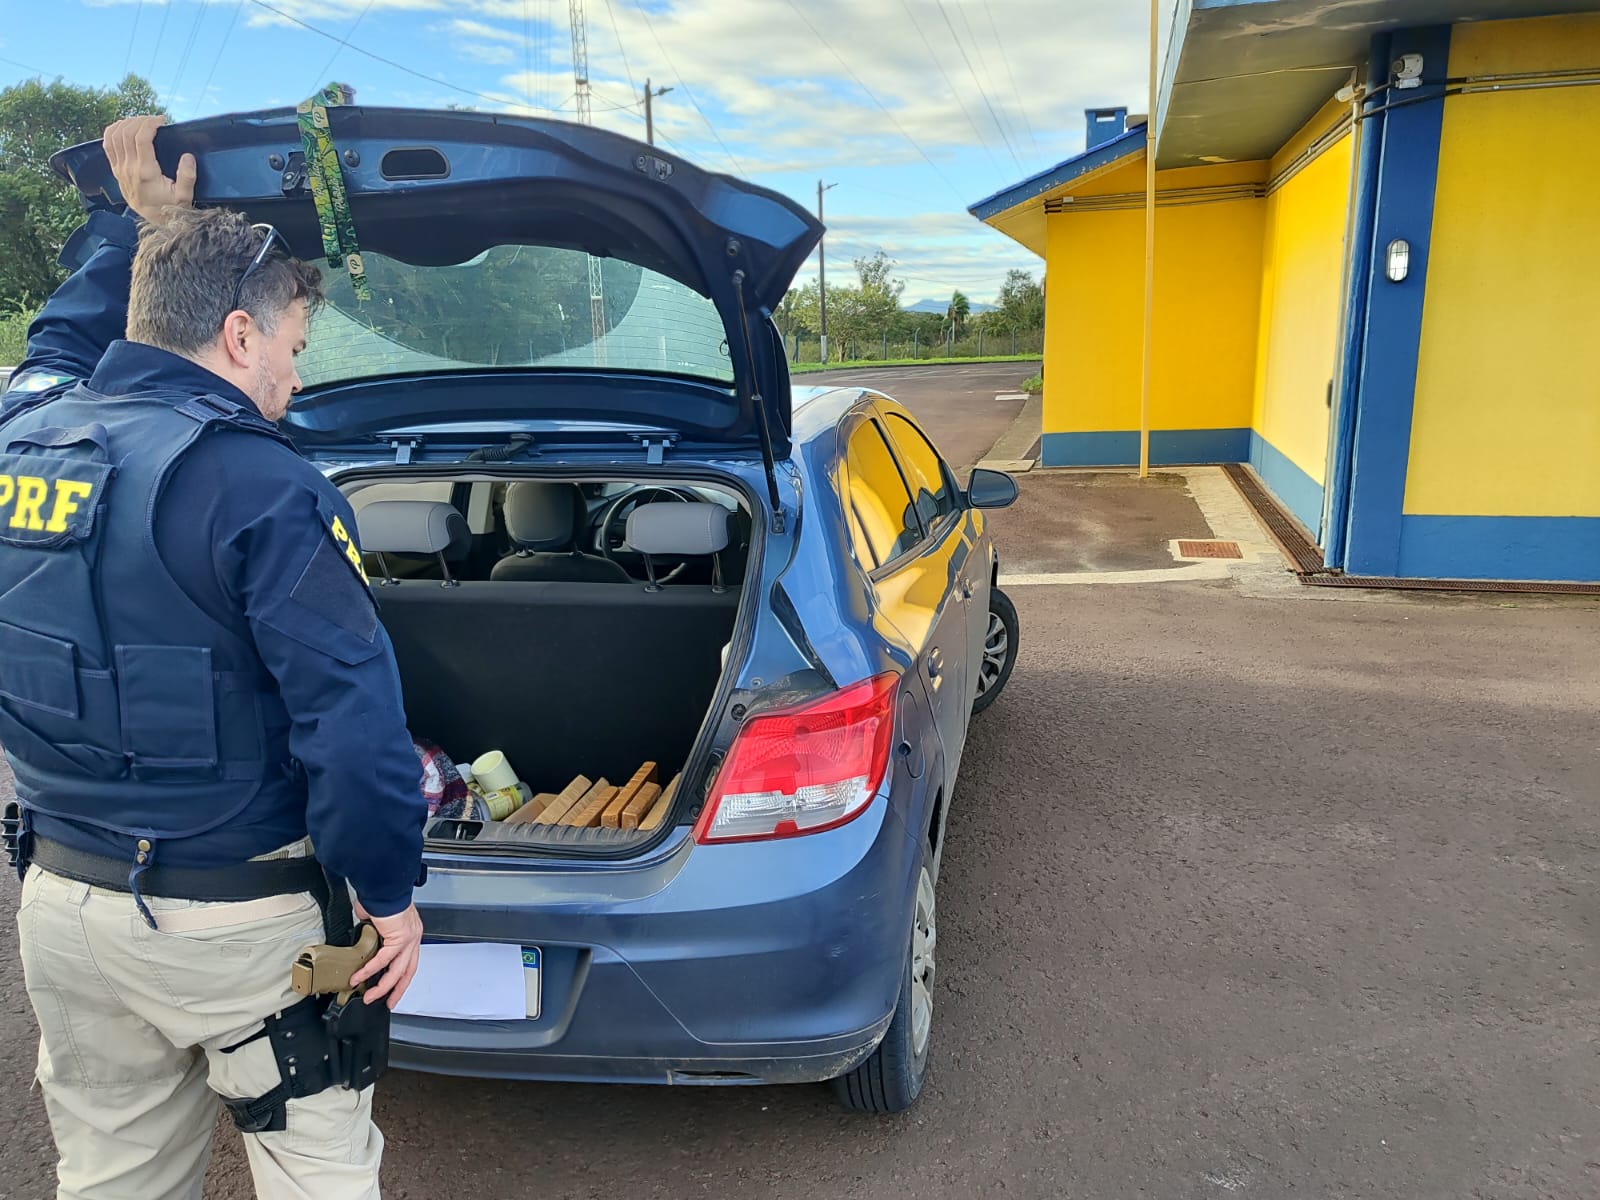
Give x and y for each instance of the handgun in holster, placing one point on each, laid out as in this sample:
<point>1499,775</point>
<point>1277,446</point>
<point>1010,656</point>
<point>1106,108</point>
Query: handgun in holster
<point>357,1032</point>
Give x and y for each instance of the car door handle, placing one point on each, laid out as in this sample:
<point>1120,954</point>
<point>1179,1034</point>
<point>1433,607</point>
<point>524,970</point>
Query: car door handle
<point>966,589</point>
<point>935,664</point>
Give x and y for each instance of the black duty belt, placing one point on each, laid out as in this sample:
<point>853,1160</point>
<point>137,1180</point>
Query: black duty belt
<point>241,881</point>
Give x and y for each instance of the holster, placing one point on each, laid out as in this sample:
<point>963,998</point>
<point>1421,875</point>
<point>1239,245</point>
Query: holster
<point>15,835</point>
<point>318,1043</point>
<point>358,1040</point>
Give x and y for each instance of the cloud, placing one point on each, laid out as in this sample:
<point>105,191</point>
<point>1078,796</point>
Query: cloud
<point>813,74</point>
<point>493,55</point>
<point>933,252</point>
<point>943,101</point>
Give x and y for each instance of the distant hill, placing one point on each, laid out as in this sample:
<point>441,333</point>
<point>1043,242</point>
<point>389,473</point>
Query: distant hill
<point>941,306</point>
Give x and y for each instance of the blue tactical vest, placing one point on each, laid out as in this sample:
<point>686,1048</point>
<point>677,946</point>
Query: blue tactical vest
<point>123,704</point>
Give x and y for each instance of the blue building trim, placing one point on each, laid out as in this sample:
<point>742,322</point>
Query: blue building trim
<point>1168,448</point>
<point>1124,145</point>
<point>1408,170</point>
<point>1537,548</point>
<point>1359,279</point>
<point>1293,488</point>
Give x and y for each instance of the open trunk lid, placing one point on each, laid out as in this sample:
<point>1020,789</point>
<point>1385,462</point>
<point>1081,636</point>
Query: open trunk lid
<point>462,190</point>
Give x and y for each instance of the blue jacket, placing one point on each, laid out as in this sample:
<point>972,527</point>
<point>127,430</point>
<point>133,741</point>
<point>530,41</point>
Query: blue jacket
<point>224,559</point>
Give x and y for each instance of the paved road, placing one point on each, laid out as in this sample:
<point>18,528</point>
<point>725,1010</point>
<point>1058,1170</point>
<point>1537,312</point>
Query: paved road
<point>1273,897</point>
<point>957,403</point>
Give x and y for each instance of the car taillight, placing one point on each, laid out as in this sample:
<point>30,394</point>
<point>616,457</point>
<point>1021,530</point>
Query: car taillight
<point>802,770</point>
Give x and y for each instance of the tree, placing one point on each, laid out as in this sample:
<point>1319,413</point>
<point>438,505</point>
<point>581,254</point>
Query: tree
<point>38,211</point>
<point>874,308</point>
<point>786,317</point>
<point>956,315</point>
<point>1021,303</point>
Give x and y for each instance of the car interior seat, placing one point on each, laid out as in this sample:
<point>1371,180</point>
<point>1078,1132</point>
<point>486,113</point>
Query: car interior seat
<point>542,520</point>
<point>425,530</point>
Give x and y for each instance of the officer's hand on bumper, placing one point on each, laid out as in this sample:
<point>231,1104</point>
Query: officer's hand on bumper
<point>130,147</point>
<point>396,961</point>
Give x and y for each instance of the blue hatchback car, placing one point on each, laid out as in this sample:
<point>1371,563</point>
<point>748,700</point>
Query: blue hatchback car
<point>611,541</point>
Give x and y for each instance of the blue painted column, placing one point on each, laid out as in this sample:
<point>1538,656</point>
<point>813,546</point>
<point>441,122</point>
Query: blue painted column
<point>1355,319</point>
<point>1408,169</point>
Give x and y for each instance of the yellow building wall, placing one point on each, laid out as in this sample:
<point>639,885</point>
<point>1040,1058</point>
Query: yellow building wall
<point>1208,267</point>
<point>1506,421</point>
<point>1302,293</point>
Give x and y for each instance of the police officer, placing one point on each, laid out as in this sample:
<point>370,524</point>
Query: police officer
<point>195,692</point>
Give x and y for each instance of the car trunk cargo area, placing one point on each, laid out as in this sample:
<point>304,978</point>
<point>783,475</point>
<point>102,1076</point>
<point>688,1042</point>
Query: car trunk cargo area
<point>583,674</point>
<point>565,679</point>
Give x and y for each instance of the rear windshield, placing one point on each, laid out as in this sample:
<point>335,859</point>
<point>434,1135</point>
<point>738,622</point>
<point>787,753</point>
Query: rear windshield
<point>513,306</point>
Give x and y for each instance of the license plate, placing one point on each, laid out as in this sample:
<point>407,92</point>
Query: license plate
<point>532,961</point>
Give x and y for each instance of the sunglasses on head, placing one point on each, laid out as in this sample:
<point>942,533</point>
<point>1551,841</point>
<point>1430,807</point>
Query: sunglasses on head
<point>271,237</point>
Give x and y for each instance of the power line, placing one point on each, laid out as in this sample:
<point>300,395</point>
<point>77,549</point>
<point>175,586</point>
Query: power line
<point>322,75</point>
<point>388,62</point>
<point>188,48</point>
<point>626,69</point>
<point>1010,75</point>
<point>127,59</point>
<point>988,75</point>
<point>687,90</point>
<point>216,58</point>
<point>1004,136</point>
<point>817,34</point>
<point>166,11</point>
<point>13,62</point>
<point>950,83</point>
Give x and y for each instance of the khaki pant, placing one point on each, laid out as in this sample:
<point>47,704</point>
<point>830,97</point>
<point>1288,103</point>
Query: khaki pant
<point>132,1025</point>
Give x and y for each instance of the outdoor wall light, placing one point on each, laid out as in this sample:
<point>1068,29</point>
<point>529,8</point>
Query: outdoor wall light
<point>1398,263</point>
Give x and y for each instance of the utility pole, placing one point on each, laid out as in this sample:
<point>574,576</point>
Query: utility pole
<point>822,270</point>
<point>649,117</point>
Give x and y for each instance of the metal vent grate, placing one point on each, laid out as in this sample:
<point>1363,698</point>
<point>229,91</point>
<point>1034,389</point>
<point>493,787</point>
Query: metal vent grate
<point>1209,549</point>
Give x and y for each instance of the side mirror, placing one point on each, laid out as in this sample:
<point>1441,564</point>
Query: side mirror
<point>991,489</point>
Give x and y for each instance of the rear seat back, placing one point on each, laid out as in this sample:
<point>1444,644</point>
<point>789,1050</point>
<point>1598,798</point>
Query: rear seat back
<point>566,678</point>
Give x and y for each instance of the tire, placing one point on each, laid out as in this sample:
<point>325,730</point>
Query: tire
<point>891,1079</point>
<point>999,650</point>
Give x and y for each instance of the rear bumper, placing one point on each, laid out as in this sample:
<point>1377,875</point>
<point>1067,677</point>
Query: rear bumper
<point>710,965</point>
<point>797,1062</point>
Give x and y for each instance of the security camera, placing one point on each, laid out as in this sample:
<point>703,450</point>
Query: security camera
<point>1408,71</point>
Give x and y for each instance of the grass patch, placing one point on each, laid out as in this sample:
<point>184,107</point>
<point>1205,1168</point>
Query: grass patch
<point>1033,383</point>
<point>807,368</point>
<point>13,338</point>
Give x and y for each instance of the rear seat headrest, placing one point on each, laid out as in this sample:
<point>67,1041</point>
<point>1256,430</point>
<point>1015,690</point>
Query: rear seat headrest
<point>679,528</point>
<point>542,515</point>
<point>412,527</point>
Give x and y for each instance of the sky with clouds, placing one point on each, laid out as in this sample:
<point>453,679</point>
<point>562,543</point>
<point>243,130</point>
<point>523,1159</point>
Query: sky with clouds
<point>913,108</point>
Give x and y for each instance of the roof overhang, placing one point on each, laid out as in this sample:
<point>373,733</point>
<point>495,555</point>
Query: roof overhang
<point>1018,211</point>
<point>1242,75</point>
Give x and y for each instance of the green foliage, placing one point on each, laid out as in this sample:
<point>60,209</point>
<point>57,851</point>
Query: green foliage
<point>37,210</point>
<point>13,338</point>
<point>1034,383</point>
<point>1021,303</point>
<point>957,313</point>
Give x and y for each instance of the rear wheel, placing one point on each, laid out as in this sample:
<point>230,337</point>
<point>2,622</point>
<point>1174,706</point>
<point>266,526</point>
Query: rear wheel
<point>891,1079</point>
<point>999,650</point>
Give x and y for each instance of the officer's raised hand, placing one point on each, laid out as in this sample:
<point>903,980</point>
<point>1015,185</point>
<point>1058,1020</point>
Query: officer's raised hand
<point>130,146</point>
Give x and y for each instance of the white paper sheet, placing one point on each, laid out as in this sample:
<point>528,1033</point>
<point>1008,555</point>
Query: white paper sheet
<point>468,981</point>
